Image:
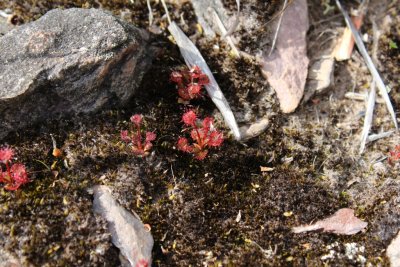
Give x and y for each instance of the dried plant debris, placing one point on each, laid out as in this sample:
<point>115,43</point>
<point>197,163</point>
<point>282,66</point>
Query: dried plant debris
<point>377,78</point>
<point>343,222</point>
<point>286,68</point>
<point>393,251</point>
<point>204,10</point>
<point>368,117</point>
<point>344,47</point>
<point>129,234</point>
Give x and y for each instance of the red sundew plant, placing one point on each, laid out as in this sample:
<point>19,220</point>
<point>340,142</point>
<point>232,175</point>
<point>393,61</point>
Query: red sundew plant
<point>142,263</point>
<point>15,175</point>
<point>190,82</point>
<point>203,134</point>
<point>394,155</point>
<point>140,146</point>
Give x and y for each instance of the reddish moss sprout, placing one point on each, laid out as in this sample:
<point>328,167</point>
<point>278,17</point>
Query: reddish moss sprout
<point>203,134</point>
<point>190,82</point>
<point>14,175</point>
<point>140,146</point>
<point>394,155</point>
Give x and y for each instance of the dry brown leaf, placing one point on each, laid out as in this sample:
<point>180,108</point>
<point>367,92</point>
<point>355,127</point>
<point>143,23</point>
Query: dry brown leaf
<point>128,233</point>
<point>343,222</point>
<point>287,67</point>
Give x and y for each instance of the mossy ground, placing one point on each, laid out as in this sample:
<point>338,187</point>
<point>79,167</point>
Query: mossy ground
<point>192,205</point>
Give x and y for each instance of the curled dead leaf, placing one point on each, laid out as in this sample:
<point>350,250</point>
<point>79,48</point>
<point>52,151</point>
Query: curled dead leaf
<point>342,222</point>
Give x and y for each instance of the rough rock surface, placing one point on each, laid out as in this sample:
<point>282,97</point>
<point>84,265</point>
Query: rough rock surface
<point>68,61</point>
<point>286,68</point>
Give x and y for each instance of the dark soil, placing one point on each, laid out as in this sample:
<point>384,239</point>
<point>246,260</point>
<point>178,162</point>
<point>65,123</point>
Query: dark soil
<point>193,206</point>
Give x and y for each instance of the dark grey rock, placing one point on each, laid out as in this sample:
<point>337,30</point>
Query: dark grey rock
<point>67,62</point>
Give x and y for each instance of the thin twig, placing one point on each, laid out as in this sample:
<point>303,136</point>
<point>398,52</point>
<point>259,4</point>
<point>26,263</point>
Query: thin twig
<point>374,137</point>
<point>376,77</point>
<point>376,33</point>
<point>368,117</point>
<point>277,28</point>
<point>277,15</point>
<point>150,13</point>
<point>224,33</point>
<point>166,11</point>
<point>362,97</point>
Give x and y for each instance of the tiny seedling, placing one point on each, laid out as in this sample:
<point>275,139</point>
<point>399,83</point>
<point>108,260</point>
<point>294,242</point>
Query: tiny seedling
<point>203,134</point>
<point>190,82</point>
<point>393,44</point>
<point>15,175</point>
<point>141,146</point>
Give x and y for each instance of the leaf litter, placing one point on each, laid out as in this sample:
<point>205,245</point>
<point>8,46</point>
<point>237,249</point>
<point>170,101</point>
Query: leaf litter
<point>342,222</point>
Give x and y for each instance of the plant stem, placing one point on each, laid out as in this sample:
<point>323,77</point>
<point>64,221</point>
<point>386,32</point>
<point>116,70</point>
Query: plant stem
<point>9,172</point>
<point>198,136</point>
<point>139,138</point>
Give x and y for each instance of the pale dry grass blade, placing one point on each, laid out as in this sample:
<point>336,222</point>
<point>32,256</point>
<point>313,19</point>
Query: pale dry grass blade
<point>368,117</point>
<point>277,29</point>
<point>221,27</point>
<point>150,13</point>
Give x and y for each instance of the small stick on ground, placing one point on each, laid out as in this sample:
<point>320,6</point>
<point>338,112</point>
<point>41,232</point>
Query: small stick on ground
<point>277,28</point>
<point>150,13</point>
<point>368,117</point>
<point>374,137</point>
<point>362,97</point>
<point>166,11</point>
<point>344,49</point>
<point>225,33</point>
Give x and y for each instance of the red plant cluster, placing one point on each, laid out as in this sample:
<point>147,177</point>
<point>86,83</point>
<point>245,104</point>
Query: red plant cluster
<point>140,146</point>
<point>394,155</point>
<point>15,175</point>
<point>190,82</point>
<point>142,263</point>
<point>203,134</point>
